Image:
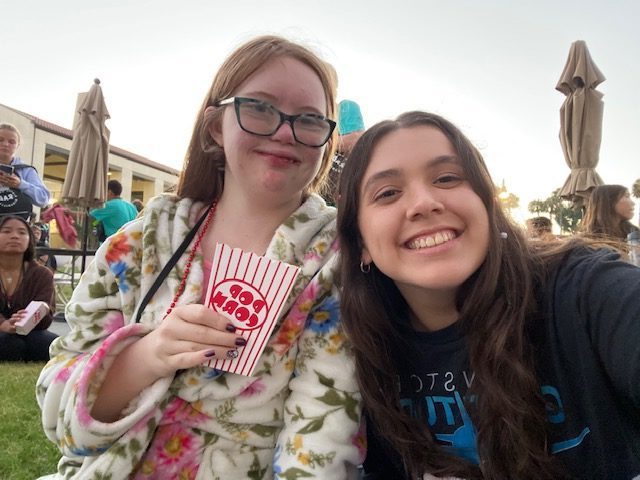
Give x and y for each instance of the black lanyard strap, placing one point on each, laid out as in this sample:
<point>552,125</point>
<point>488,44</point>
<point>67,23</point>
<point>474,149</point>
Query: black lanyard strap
<point>170,264</point>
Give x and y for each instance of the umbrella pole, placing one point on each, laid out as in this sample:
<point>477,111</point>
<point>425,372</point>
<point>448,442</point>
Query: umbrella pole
<point>85,236</point>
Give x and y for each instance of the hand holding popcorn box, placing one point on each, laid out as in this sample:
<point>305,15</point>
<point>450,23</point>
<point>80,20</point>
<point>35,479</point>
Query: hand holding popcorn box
<point>34,312</point>
<point>250,291</point>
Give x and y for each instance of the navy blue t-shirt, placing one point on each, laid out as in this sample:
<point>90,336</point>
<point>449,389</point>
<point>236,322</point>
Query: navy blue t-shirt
<point>587,360</point>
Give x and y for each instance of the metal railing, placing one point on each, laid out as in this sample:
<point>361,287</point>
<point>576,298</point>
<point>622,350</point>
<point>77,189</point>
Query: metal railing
<point>73,253</point>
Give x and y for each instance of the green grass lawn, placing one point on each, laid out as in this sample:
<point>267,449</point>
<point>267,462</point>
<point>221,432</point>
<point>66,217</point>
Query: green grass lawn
<point>26,453</point>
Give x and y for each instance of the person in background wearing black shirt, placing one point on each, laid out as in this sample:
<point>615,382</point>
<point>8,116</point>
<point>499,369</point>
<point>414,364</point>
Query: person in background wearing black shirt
<point>479,355</point>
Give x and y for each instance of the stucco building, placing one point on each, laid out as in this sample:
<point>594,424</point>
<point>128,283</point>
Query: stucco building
<point>46,146</point>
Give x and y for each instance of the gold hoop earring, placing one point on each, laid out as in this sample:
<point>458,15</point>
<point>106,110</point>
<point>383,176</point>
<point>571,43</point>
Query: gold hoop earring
<point>365,268</point>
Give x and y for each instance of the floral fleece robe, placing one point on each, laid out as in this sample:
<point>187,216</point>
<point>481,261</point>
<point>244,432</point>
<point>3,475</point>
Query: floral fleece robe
<point>296,417</point>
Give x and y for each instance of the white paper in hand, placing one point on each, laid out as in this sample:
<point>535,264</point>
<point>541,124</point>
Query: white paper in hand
<point>34,312</point>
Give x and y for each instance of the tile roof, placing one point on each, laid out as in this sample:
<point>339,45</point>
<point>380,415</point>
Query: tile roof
<point>65,132</point>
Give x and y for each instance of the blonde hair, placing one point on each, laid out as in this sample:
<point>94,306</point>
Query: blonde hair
<point>11,128</point>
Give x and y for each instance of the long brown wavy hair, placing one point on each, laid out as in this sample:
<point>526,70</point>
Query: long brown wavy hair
<point>202,176</point>
<point>497,307</point>
<point>600,218</point>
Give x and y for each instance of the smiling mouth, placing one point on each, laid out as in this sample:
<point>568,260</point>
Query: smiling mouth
<point>284,158</point>
<point>431,240</point>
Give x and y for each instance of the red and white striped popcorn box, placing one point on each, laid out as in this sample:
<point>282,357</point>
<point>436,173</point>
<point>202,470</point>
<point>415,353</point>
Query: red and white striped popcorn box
<point>250,291</point>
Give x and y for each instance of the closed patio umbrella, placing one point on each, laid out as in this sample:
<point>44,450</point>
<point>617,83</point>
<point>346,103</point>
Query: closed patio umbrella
<point>85,183</point>
<point>580,122</point>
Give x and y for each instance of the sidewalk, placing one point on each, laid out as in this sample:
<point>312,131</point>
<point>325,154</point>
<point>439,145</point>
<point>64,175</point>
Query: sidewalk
<point>59,328</point>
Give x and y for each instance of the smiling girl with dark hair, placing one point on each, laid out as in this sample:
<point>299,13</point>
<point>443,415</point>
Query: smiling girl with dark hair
<point>479,354</point>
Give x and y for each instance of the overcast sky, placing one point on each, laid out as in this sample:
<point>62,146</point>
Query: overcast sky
<point>490,66</point>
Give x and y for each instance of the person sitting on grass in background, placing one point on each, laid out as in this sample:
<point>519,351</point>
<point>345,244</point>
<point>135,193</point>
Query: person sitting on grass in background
<point>134,400</point>
<point>22,280</point>
<point>116,211</point>
<point>479,355</point>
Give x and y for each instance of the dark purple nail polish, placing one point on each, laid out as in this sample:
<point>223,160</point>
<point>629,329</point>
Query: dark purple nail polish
<point>230,328</point>
<point>210,353</point>
<point>241,342</point>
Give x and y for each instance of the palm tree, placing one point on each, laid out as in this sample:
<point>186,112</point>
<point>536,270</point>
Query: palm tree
<point>565,214</point>
<point>635,189</point>
<point>508,200</point>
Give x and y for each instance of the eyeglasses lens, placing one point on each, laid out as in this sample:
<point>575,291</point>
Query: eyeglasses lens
<point>263,119</point>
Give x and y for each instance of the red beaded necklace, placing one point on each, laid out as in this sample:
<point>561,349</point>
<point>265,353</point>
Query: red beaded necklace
<point>192,254</point>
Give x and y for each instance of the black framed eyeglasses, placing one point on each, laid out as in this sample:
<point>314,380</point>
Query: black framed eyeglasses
<point>262,118</point>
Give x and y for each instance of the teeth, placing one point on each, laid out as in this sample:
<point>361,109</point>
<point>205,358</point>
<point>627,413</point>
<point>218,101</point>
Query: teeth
<point>432,240</point>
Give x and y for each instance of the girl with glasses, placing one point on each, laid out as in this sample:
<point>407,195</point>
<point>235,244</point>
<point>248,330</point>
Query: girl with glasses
<point>479,355</point>
<point>133,400</point>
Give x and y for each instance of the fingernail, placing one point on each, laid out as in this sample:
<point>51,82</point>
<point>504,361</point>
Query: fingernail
<point>230,328</point>
<point>241,342</point>
<point>210,353</point>
<point>233,353</point>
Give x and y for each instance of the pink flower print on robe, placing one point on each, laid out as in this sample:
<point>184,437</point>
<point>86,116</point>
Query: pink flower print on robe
<point>174,453</point>
<point>175,450</point>
<point>295,321</point>
<point>254,388</point>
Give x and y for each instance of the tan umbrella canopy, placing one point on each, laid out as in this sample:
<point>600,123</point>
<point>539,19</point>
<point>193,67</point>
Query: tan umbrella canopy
<point>580,122</point>
<point>85,183</point>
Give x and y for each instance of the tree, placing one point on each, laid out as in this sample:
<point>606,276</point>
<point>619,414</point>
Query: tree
<point>540,206</point>
<point>508,200</point>
<point>563,212</point>
<point>635,189</point>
